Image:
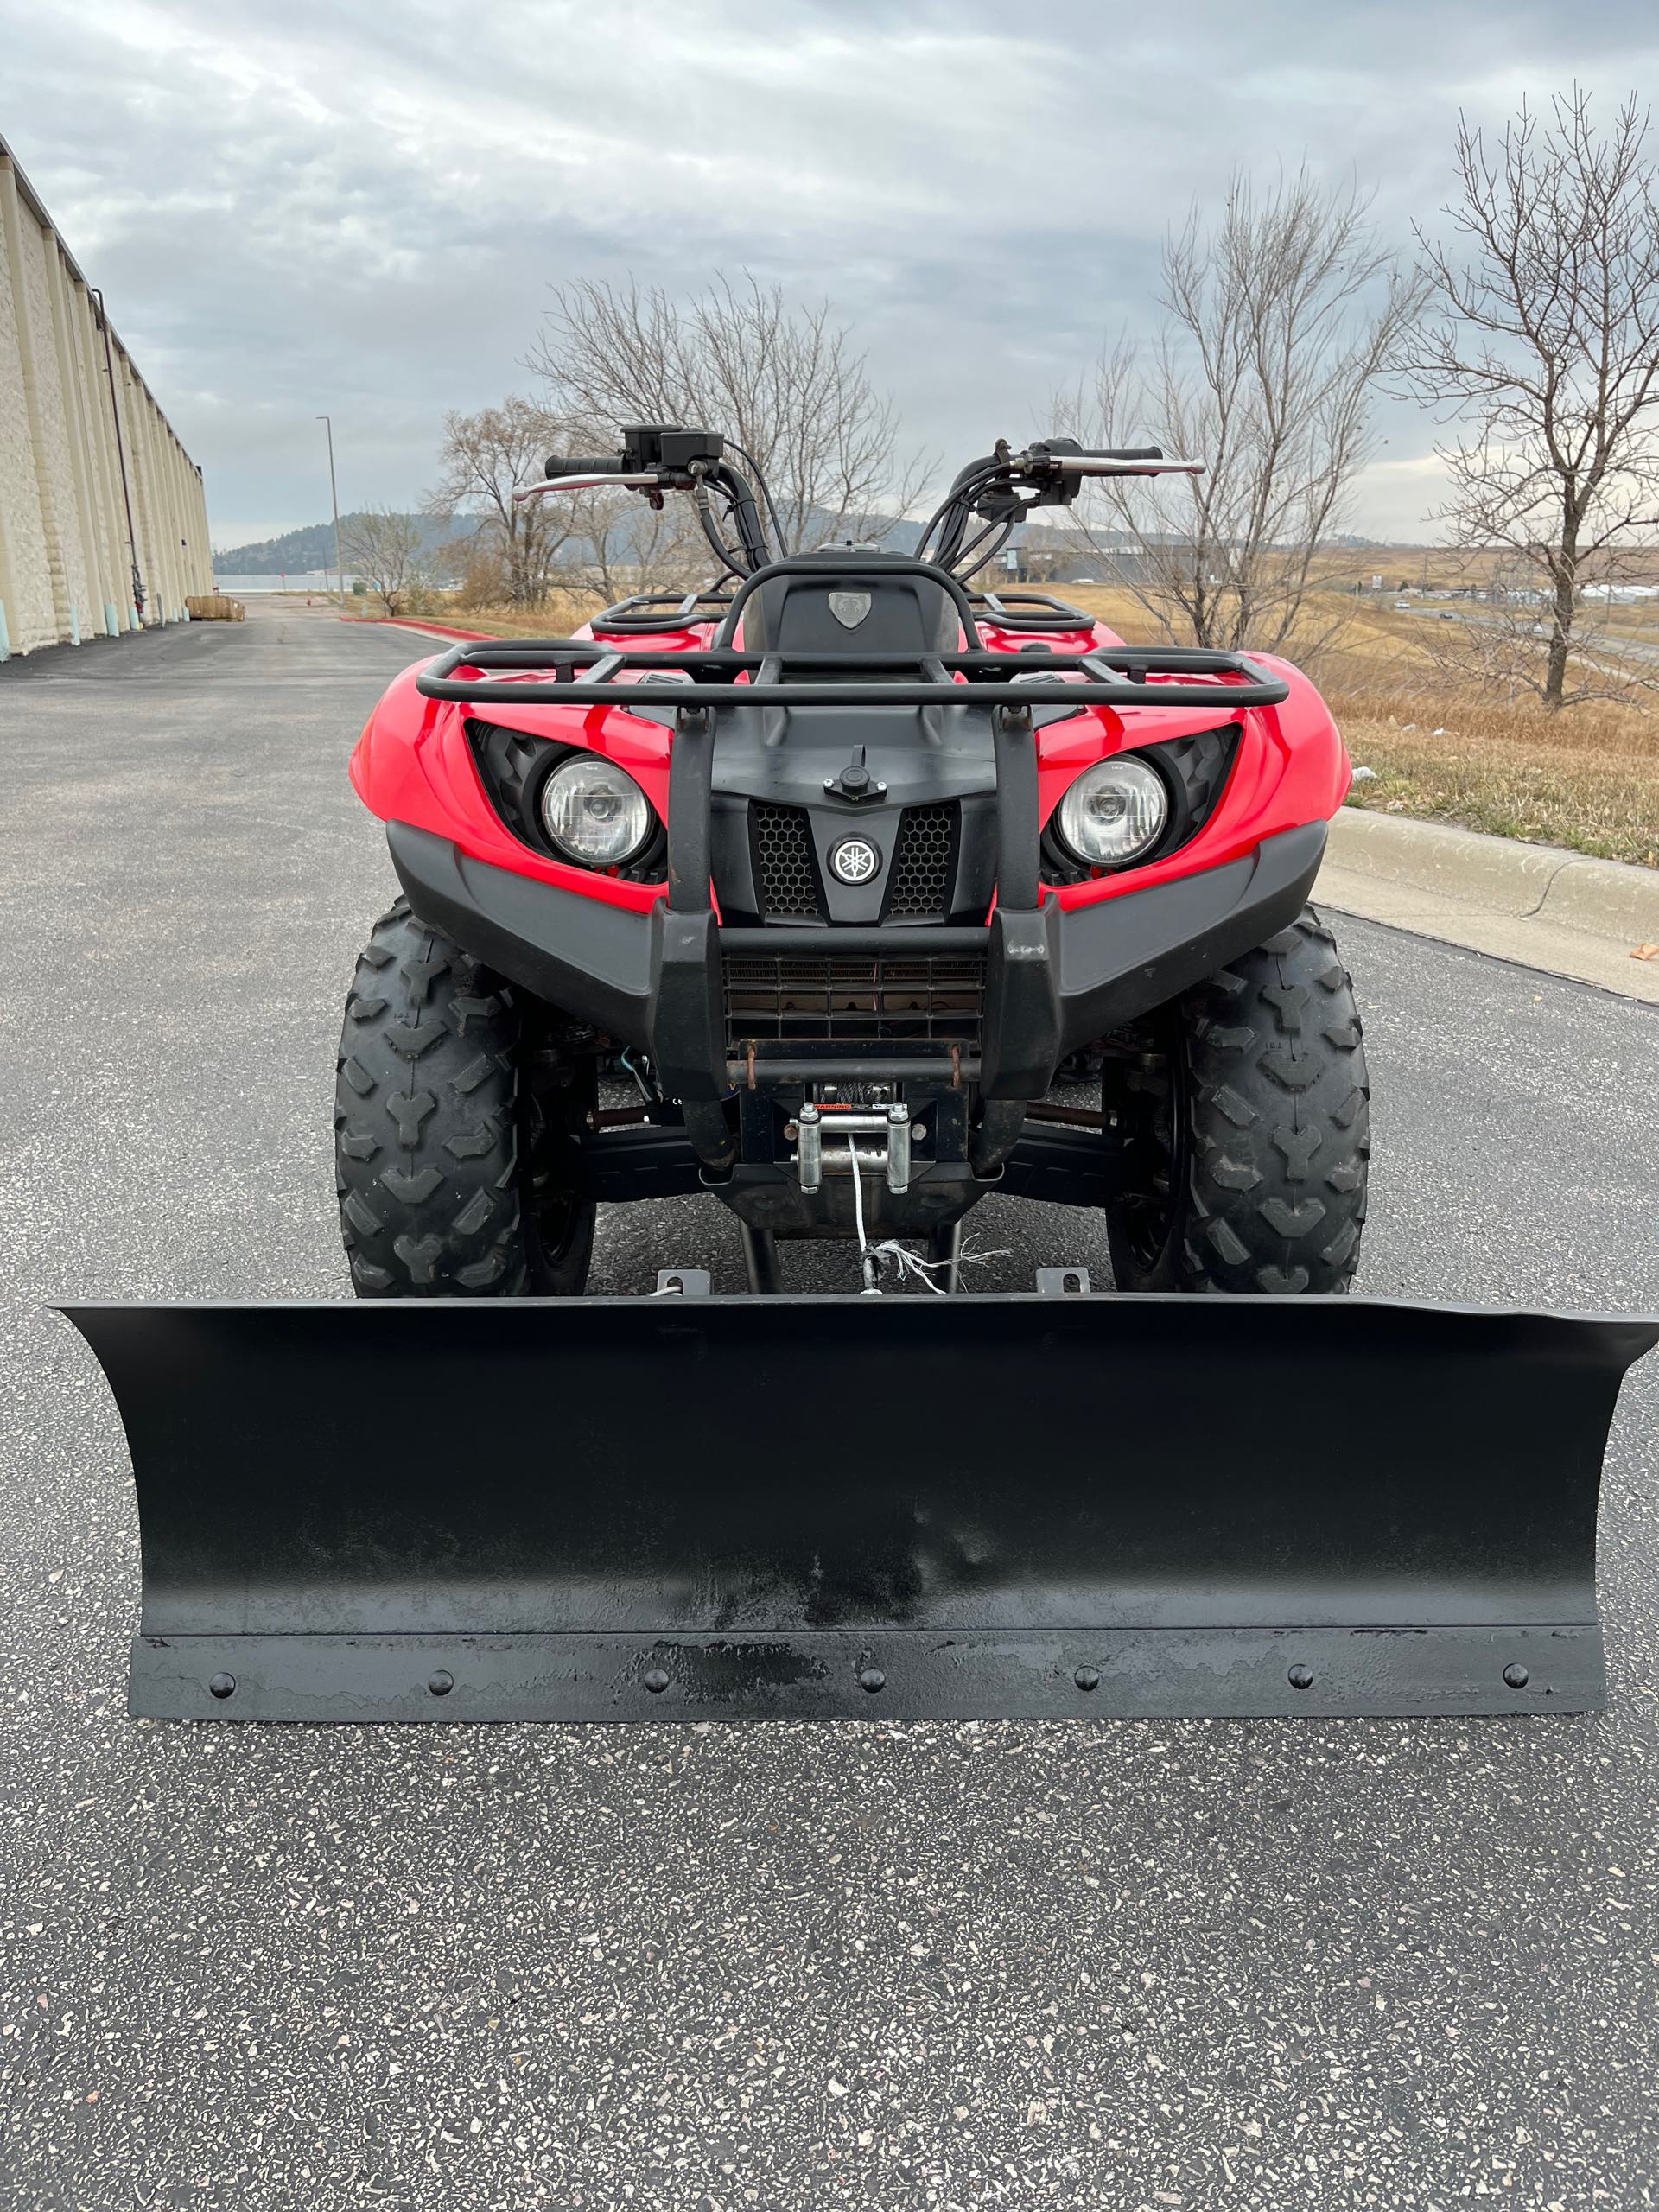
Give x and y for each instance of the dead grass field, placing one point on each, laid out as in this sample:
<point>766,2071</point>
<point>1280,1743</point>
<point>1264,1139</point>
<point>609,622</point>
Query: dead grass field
<point>1587,779</point>
<point>1441,748</point>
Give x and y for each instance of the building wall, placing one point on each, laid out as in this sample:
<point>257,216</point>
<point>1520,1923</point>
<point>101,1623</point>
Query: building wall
<point>67,556</point>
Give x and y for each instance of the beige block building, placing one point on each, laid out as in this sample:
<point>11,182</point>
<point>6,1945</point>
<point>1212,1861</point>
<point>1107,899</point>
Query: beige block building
<point>103,520</point>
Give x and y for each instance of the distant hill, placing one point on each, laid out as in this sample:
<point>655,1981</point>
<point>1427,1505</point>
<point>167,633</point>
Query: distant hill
<point>298,551</point>
<point>302,552</point>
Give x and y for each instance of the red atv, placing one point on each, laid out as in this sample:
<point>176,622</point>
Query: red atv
<point>849,870</point>
<point>848,865</point>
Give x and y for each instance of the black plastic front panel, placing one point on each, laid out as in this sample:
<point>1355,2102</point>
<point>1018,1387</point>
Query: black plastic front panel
<point>929,814</point>
<point>1099,966</point>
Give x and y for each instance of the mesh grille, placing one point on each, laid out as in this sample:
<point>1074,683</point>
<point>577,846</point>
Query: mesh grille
<point>793,997</point>
<point>784,874</point>
<point>920,882</point>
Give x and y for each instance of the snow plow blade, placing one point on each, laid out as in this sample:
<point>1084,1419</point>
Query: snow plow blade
<point>807,1508</point>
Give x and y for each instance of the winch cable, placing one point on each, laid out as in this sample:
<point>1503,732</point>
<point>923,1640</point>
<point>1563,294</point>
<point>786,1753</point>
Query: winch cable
<point>892,1257</point>
<point>867,1261</point>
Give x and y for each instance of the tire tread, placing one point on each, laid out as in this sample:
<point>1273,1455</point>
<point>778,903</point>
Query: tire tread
<point>426,1132</point>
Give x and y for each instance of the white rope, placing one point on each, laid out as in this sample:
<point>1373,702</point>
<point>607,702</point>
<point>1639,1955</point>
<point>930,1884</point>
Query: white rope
<point>867,1261</point>
<point>891,1257</point>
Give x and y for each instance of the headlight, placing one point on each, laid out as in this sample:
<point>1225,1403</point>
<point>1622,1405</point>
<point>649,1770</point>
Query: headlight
<point>1114,811</point>
<point>594,811</point>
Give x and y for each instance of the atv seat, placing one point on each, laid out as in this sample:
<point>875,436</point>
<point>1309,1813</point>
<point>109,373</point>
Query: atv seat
<point>862,610</point>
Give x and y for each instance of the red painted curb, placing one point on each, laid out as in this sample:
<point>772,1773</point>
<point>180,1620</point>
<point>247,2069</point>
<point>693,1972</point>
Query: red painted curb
<point>413,622</point>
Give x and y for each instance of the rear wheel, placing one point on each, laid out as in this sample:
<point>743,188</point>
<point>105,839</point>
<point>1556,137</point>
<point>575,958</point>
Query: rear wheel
<point>1245,1126</point>
<point>456,1113</point>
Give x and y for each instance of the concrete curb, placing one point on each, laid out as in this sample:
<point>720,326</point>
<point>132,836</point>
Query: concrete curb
<point>1537,904</point>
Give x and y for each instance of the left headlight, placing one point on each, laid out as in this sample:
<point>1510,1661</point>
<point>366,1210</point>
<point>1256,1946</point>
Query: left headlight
<point>1116,812</point>
<point>594,813</point>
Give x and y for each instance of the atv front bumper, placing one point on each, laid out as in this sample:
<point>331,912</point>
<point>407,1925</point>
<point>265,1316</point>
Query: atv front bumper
<point>1023,991</point>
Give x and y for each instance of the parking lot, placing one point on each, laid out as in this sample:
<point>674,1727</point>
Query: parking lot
<point>1125,1965</point>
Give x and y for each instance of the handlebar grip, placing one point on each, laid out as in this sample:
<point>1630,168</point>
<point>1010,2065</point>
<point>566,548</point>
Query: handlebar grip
<point>1121,453</point>
<point>607,464</point>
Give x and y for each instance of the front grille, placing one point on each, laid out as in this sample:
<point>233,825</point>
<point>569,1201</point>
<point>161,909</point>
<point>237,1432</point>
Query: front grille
<point>919,883</point>
<point>855,998</point>
<point>784,872</point>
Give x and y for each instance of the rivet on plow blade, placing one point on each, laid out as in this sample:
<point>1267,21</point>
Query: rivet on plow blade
<point>576,1509</point>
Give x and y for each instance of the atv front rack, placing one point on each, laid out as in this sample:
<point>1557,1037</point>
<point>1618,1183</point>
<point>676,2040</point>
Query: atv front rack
<point>1034,1004</point>
<point>1111,676</point>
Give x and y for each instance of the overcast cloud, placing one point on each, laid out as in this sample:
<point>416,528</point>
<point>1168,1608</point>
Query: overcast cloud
<point>293,209</point>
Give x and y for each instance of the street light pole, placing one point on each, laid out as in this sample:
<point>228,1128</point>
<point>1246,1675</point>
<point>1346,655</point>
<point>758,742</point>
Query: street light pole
<point>340,566</point>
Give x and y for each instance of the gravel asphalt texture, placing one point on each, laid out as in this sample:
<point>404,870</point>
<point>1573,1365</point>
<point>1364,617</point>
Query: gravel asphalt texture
<point>1399,1964</point>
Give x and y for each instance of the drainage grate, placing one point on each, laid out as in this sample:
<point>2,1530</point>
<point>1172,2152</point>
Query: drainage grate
<point>819,998</point>
<point>784,872</point>
<point>919,884</point>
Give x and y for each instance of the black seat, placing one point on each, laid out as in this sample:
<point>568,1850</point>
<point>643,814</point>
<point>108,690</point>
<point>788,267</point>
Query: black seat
<point>858,609</point>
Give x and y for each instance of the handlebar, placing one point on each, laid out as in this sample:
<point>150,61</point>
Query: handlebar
<point>1110,461</point>
<point>604,464</point>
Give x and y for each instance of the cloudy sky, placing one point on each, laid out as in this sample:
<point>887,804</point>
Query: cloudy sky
<point>300,207</point>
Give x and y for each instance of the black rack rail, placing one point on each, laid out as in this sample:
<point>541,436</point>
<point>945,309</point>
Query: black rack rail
<point>1029,610</point>
<point>646,611</point>
<point>649,611</point>
<point>1111,676</point>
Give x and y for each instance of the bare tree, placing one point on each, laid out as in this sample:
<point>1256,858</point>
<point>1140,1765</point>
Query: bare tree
<point>1545,343</point>
<point>619,544</point>
<point>780,379</point>
<point>486,457</point>
<point>384,549</point>
<point>1280,321</point>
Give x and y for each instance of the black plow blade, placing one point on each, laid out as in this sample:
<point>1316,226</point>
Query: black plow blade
<point>801,1507</point>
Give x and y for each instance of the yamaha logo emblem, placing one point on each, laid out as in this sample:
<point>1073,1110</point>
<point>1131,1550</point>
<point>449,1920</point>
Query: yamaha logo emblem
<point>854,859</point>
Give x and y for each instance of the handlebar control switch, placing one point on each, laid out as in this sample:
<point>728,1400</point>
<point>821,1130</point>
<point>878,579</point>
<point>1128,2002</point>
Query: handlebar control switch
<point>667,445</point>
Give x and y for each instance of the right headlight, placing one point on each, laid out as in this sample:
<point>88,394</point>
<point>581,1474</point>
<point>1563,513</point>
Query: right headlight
<point>1115,812</point>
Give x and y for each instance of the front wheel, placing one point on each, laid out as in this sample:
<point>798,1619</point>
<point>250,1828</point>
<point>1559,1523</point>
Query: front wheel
<point>455,1129</point>
<point>1245,1129</point>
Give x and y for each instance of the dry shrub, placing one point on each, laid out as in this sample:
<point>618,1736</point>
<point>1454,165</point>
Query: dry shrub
<point>483,577</point>
<point>1587,779</point>
<point>557,616</point>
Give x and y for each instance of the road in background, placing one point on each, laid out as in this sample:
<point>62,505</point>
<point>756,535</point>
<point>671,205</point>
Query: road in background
<point>1033,1965</point>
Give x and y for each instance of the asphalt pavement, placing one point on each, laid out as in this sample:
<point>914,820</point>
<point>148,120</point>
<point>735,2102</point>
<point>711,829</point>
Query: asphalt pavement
<point>1399,1964</point>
